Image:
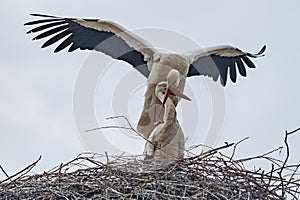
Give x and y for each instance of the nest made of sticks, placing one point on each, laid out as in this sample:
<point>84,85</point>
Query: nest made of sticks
<point>211,175</point>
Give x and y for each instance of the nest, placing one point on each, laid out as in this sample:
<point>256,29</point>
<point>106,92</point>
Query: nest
<point>210,175</point>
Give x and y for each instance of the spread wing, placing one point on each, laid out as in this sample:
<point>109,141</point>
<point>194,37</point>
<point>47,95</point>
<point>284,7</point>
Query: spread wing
<point>216,61</point>
<point>93,34</point>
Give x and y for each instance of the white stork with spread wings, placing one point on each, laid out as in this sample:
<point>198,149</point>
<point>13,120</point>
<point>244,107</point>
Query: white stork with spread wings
<point>115,41</point>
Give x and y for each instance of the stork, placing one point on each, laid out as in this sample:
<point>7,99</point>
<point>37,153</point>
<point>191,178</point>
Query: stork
<point>115,41</point>
<point>167,139</point>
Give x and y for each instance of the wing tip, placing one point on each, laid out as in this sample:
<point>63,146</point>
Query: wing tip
<point>40,21</point>
<point>259,54</point>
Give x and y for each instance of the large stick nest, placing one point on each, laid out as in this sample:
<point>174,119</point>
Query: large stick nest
<point>211,175</point>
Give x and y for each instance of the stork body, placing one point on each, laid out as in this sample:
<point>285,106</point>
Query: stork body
<point>115,41</point>
<point>167,138</point>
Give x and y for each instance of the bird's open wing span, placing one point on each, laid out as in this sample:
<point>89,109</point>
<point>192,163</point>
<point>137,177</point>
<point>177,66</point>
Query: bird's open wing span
<point>216,61</point>
<point>94,34</point>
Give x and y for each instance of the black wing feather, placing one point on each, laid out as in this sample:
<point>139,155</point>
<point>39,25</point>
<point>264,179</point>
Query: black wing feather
<point>41,21</point>
<point>216,62</point>
<point>232,70</point>
<point>241,67</point>
<point>224,71</point>
<point>248,62</point>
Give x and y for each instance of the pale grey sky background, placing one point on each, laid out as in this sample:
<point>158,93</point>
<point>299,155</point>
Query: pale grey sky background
<point>36,113</point>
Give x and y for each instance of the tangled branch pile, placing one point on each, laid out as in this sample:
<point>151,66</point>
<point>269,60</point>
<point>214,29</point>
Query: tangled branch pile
<point>210,175</point>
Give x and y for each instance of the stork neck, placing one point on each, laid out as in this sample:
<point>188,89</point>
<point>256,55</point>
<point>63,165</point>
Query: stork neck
<point>170,112</point>
<point>169,127</point>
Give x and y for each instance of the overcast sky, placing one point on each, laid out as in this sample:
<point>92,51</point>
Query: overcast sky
<point>37,86</point>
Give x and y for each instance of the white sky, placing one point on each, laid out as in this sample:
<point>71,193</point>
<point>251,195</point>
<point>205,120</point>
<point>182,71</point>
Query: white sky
<point>36,113</point>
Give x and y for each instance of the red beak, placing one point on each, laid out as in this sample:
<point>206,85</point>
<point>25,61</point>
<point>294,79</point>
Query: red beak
<point>174,92</point>
<point>167,93</point>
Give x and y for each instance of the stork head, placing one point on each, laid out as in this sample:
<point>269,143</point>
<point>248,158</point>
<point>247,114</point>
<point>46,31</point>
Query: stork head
<point>173,79</point>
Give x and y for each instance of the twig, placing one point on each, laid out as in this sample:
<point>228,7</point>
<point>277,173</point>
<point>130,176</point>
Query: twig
<point>4,171</point>
<point>210,152</point>
<point>271,174</point>
<point>28,168</point>
<point>261,156</point>
<point>121,127</point>
<point>108,127</point>
<point>234,147</point>
<point>107,159</point>
<point>287,157</point>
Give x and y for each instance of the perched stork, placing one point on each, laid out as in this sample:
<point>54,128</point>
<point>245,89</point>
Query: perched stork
<point>167,138</point>
<point>115,41</point>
